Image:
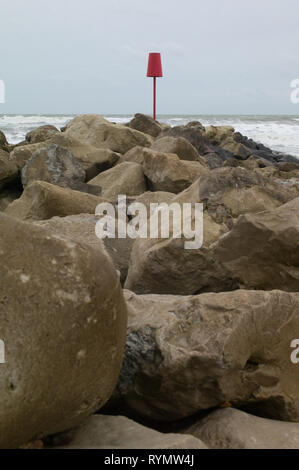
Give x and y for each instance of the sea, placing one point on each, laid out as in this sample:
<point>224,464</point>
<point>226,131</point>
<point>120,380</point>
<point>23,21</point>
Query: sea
<point>280,133</point>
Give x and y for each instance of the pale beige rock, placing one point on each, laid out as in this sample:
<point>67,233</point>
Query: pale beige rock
<point>145,124</point>
<point>166,172</point>
<point>118,432</point>
<point>43,200</point>
<point>262,250</point>
<point>165,266</point>
<point>234,429</point>
<point>95,130</point>
<point>63,319</point>
<point>41,134</point>
<point>177,145</point>
<point>186,354</point>
<point>124,179</point>
<point>81,227</point>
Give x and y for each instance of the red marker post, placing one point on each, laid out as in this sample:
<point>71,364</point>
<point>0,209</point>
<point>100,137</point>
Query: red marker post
<point>154,70</point>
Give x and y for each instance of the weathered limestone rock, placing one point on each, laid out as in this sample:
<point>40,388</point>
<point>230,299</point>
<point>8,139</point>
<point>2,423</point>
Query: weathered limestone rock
<point>157,197</point>
<point>124,179</point>
<point>43,200</point>
<point>95,130</point>
<point>234,429</point>
<point>145,124</point>
<point>81,227</point>
<point>54,165</point>
<point>186,354</point>
<point>164,266</point>
<point>135,154</point>
<point>166,172</point>
<point>63,319</point>
<point>262,250</point>
<point>8,169</point>
<point>41,134</point>
<point>22,153</point>
<point>177,145</point>
<point>118,432</point>
<point>93,160</point>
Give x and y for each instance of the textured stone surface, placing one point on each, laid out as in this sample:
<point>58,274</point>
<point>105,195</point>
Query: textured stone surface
<point>63,320</point>
<point>118,432</point>
<point>95,130</point>
<point>124,179</point>
<point>186,354</point>
<point>234,429</point>
<point>54,165</point>
<point>43,200</point>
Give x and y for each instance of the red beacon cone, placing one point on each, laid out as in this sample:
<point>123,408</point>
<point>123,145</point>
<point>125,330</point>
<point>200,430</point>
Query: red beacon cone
<point>154,70</point>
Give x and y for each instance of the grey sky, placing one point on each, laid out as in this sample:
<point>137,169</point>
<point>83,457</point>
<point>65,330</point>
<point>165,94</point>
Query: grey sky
<point>219,56</point>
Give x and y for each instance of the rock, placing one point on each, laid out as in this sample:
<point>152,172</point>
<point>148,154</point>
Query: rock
<point>165,266</point>
<point>63,319</point>
<point>118,432</point>
<point>145,124</point>
<point>179,146</point>
<point>262,250</point>
<point>54,165</point>
<point>3,141</point>
<point>288,166</point>
<point>157,197</point>
<point>41,134</point>
<point>7,196</point>
<point>136,155</point>
<point>8,169</point>
<point>94,130</point>
<point>81,227</point>
<point>193,134</point>
<point>124,179</point>
<point>166,172</point>
<point>22,153</point>
<point>214,160</point>
<point>234,429</point>
<point>93,160</point>
<point>43,200</point>
<point>187,354</point>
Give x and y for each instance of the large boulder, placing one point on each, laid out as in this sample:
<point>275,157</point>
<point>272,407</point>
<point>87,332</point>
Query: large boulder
<point>3,141</point>
<point>94,130</point>
<point>41,134</point>
<point>135,154</point>
<point>165,266</point>
<point>63,320</point>
<point>22,153</point>
<point>177,145</point>
<point>54,165</point>
<point>124,179</point>
<point>145,124</point>
<point>8,169</point>
<point>186,354</point>
<point>166,172</point>
<point>81,227</point>
<point>262,250</point>
<point>233,429</point>
<point>118,432</point>
<point>43,200</point>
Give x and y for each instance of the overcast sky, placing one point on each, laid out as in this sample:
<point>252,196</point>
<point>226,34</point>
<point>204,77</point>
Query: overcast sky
<point>79,56</point>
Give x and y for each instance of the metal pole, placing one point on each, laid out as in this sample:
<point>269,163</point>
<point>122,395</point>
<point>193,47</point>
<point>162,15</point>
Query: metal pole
<point>154,98</point>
